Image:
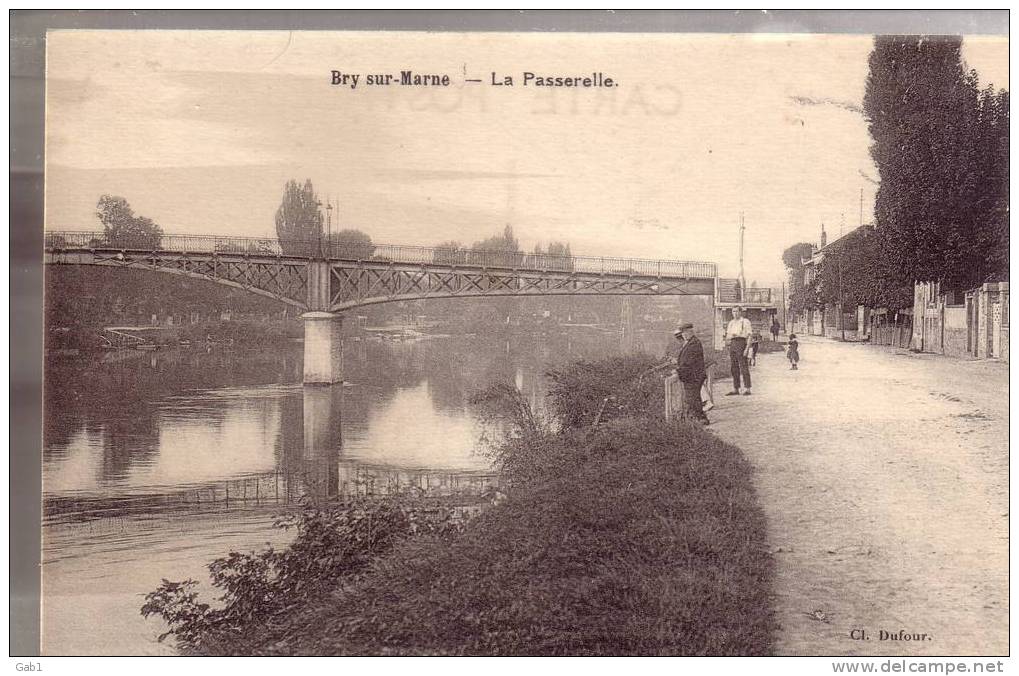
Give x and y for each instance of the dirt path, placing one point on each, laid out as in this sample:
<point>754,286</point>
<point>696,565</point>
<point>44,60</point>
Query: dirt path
<point>884,476</point>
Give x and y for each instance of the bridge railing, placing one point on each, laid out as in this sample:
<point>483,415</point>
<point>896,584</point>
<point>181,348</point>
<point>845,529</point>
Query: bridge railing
<point>180,243</point>
<point>397,253</point>
<point>730,293</point>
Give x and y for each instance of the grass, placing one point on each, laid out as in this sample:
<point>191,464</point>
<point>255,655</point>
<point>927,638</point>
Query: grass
<point>642,540</point>
<point>636,537</point>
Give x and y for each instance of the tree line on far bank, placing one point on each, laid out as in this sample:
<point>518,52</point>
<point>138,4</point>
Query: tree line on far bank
<point>940,143</point>
<point>301,231</point>
<point>299,227</point>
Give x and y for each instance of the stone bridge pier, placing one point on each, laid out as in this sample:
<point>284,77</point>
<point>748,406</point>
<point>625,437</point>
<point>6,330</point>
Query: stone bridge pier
<point>323,345</point>
<point>323,348</point>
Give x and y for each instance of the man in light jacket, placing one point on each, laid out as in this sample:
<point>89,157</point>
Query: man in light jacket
<point>738,332</point>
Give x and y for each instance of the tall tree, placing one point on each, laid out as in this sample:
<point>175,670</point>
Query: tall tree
<point>351,244</point>
<point>993,185</point>
<point>556,257</point>
<point>563,258</point>
<point>559,249</point>
<point>937,142</point>
<point>299,220</point>
<point>849,274</point>
<point>122,228</point>
<point>501,250</point>
<point>450,253</point>
<point>793,257</point>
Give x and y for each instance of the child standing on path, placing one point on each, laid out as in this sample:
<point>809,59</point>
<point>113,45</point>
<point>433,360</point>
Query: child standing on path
<point>793,351</point>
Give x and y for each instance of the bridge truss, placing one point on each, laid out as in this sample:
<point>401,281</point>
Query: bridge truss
<point>369,283</point>
<point>314,278</point>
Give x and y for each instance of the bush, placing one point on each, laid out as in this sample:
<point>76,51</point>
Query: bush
<point>615,387</point>
<point>330,546</point>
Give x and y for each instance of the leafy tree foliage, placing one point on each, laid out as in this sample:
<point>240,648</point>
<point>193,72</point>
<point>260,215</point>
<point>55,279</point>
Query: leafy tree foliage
<point>450,253</point>
<point>82,299</point>
<point>992,159</point>
<point>123,228</point>
<point>556,257</point>
<point>505,244</point>
<point>559,249</point>
<point>793,257</point>
<point>331,547</point>
<point>299,220</point>
<point>351,244</point>
<point>941,147</point>
<point>850,274</point>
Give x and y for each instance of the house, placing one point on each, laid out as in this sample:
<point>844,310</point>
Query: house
<point>971,324</point>
<point>832,320</point>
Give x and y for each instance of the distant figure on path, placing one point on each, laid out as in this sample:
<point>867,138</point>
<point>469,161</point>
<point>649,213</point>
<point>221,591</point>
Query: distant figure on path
<point>775,328</point>
<point>755,345</point>
<point>690,370</point>
<point>738,333</point>
<point>793,351</point>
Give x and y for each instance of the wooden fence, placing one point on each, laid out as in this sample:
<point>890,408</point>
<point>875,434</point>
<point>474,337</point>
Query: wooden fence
<point>895,332</point>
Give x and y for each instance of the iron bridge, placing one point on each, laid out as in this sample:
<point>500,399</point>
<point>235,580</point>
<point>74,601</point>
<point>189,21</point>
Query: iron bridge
<point>320,277</point>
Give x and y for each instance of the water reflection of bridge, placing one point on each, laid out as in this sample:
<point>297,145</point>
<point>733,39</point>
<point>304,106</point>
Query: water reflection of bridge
<point>313,471</point>
<point>312,485</point>
<point>321,483</point>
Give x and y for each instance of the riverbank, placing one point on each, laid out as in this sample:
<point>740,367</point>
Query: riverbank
<point>636,537</point>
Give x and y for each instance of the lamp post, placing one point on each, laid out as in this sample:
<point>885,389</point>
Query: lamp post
<point>318,205</point>
<point>742,279</point>
<point>329,228</point>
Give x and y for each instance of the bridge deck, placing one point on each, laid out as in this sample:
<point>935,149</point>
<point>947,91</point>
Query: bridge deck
<point>301,251</point>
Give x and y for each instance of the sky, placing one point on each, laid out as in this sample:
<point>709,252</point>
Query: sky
<point>201,130</point>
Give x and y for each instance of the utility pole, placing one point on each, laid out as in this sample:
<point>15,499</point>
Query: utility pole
<point>742,279</point>
<point>842,313</point>
<point>861,206</point>
<point>842,298</point>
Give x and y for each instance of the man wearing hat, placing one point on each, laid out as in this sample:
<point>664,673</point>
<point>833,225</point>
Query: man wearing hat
<point>690,370</point>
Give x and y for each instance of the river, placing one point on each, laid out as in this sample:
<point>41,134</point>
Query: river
<point>156,463</point>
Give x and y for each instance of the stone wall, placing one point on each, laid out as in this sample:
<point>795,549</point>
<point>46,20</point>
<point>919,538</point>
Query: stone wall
<point>984,301</point>
<point>817,325</point>
<point>955,331</point>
